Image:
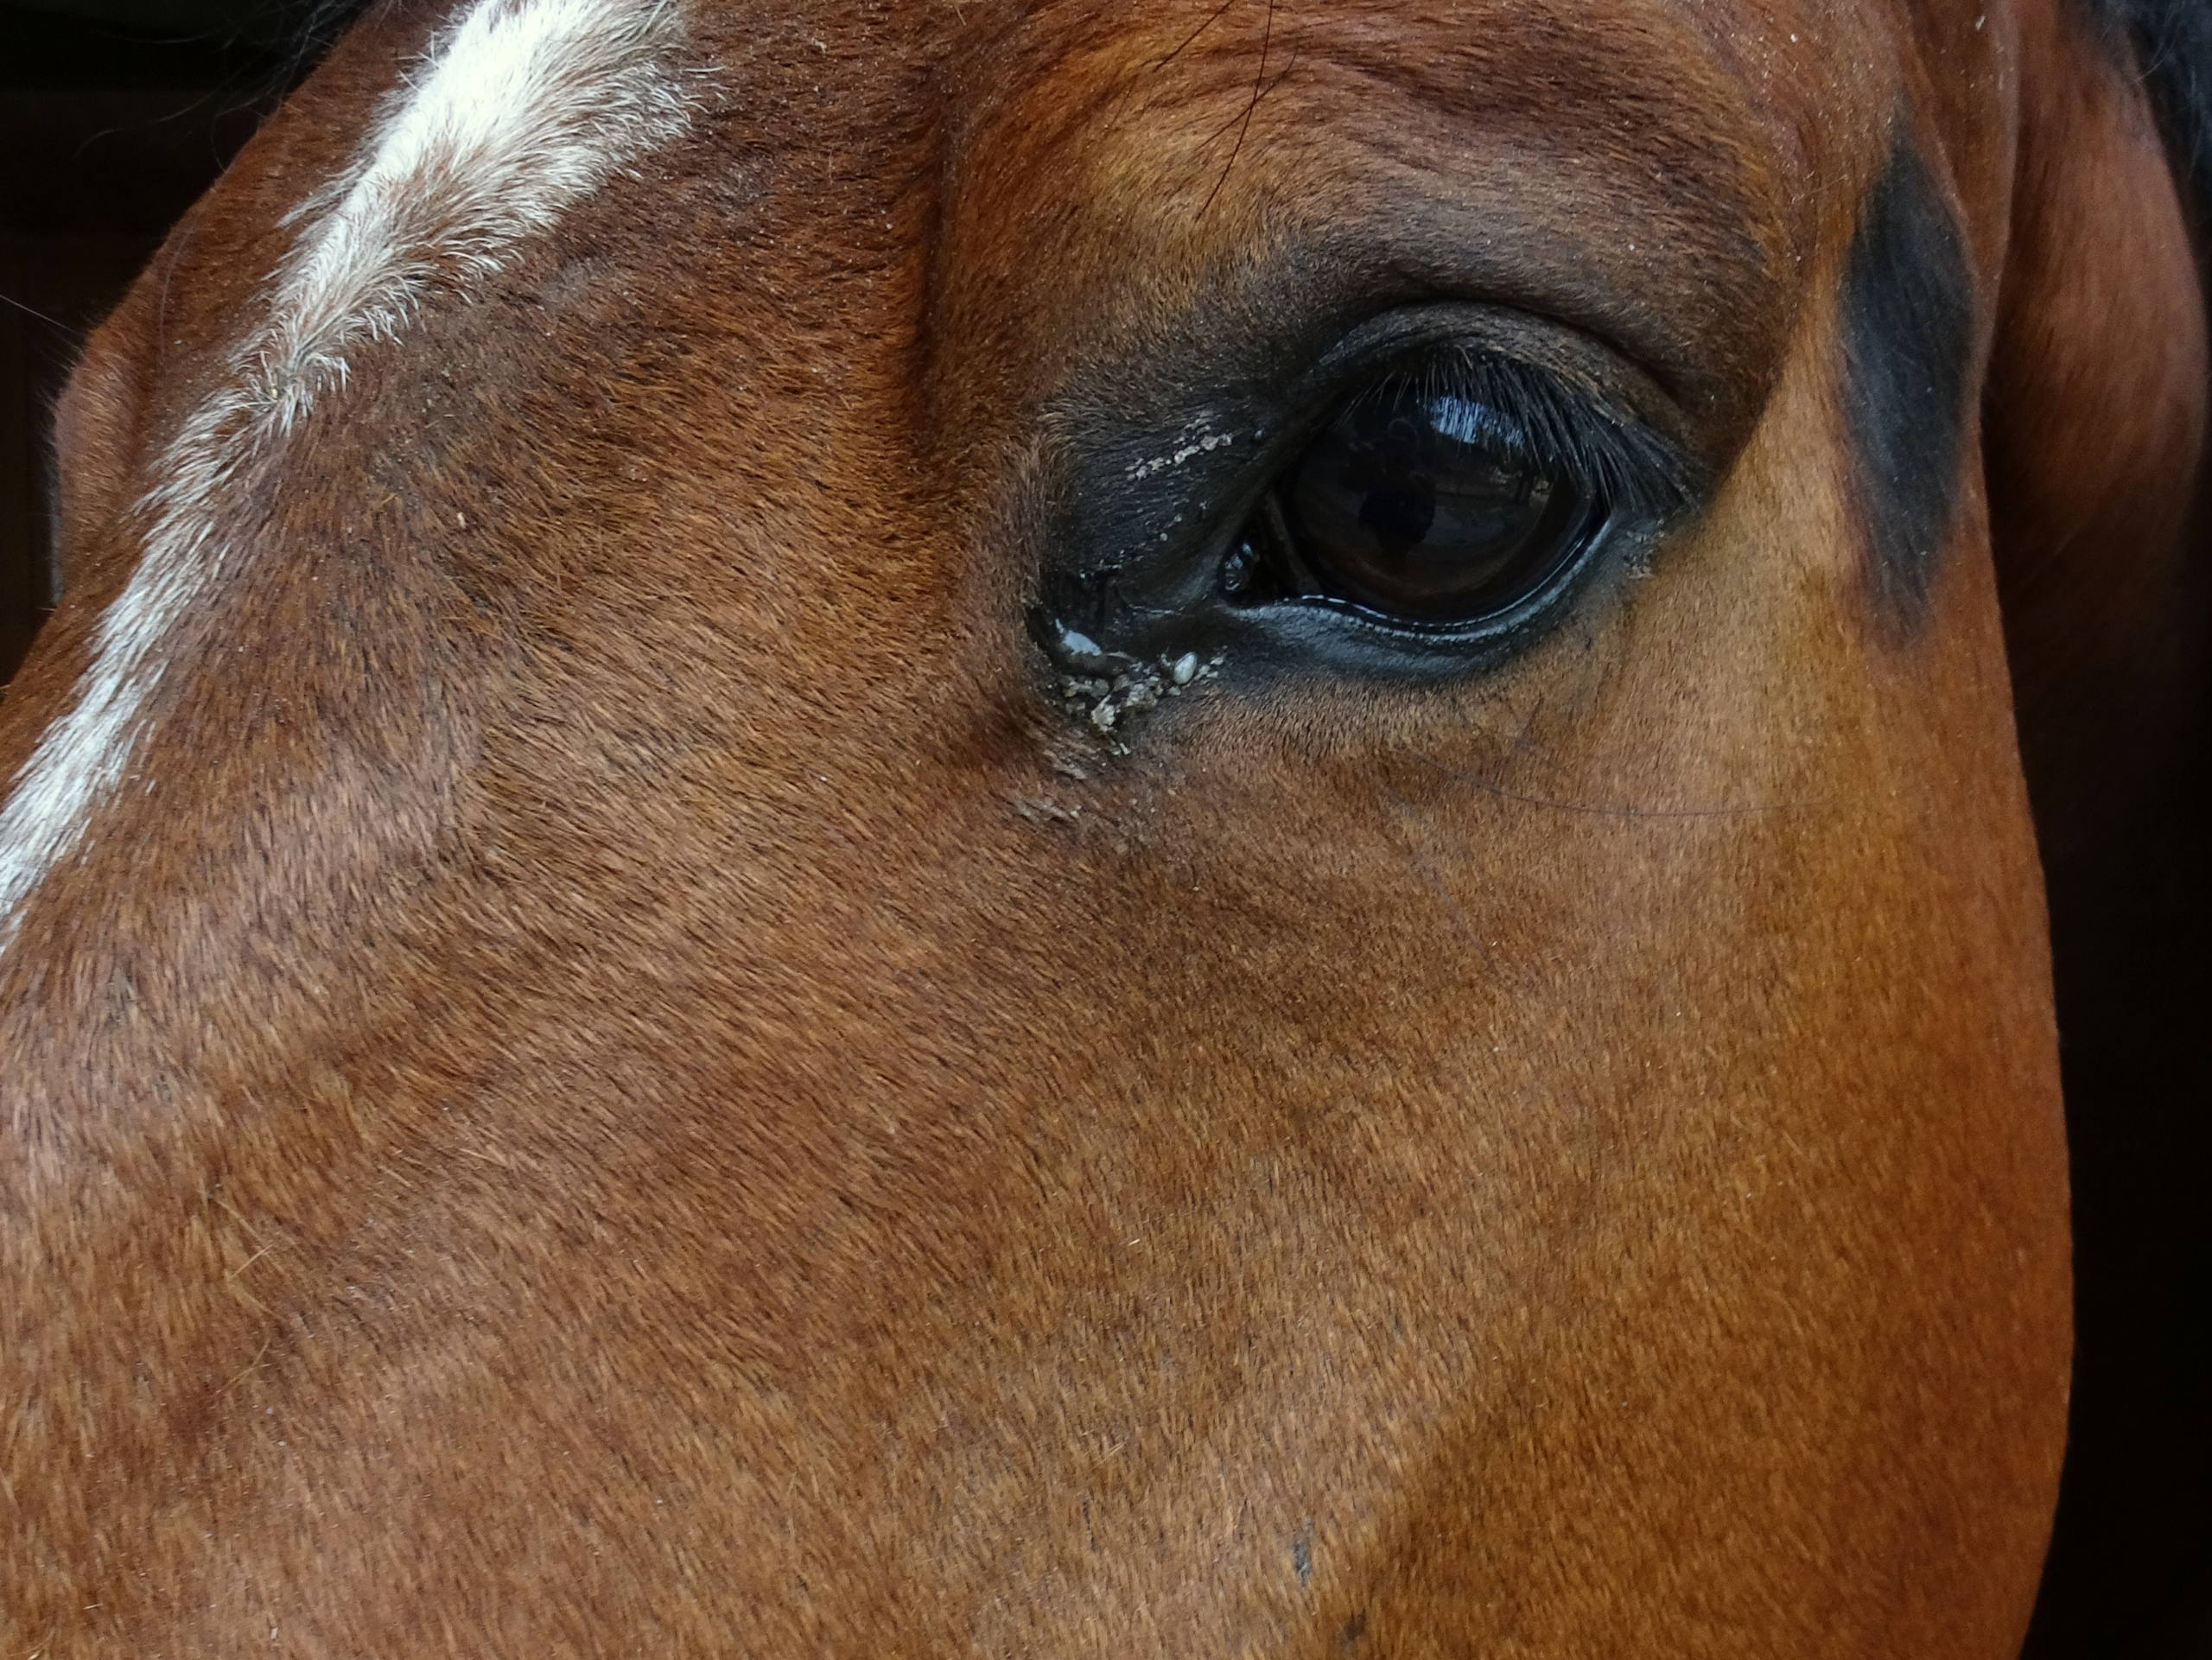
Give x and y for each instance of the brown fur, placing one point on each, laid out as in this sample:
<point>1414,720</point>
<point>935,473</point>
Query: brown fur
<point>589,1110</point>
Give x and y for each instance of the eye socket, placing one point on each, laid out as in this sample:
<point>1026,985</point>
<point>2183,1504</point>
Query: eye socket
<point>1423,504</point>
<point>1424,499</point>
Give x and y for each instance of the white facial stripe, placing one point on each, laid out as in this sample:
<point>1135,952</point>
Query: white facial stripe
<point>519,109</point>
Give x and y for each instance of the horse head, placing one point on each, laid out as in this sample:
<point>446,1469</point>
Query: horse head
<point>1076,829</point>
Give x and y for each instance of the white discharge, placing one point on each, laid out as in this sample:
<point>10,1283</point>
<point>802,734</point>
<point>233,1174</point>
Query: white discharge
<point>517,111</point>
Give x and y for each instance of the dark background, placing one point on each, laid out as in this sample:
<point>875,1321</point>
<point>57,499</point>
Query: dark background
<point>115,115</point>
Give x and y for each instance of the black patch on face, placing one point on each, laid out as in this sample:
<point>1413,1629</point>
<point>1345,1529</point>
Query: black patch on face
<point>1907,343</point>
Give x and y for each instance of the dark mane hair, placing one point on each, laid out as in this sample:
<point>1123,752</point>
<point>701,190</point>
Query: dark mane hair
<point>2171,44</point>
<point>312,28</point>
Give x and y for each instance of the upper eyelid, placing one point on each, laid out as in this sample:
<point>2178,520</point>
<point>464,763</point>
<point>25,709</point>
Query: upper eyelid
<point>1527,339</point>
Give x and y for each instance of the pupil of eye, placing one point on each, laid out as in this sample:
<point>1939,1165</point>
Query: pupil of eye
<point>1406,506</point>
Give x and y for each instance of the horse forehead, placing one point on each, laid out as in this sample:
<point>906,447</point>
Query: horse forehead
<point>1024,108</point>
<point>1093,102</point>
<point>1626,82</point>
<point>516,109</point>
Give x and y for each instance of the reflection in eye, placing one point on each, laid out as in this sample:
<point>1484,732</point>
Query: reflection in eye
<point>1424,505</point>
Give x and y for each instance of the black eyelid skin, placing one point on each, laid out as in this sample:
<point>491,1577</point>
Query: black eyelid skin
<point>1909,342</point>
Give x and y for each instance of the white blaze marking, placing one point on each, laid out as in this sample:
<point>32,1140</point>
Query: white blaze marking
<point>517,110</point>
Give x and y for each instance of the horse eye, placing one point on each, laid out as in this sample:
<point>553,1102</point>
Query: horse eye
<point>1417,505</point>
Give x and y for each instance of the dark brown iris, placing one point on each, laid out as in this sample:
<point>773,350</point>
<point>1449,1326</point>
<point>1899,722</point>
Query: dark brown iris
<point>1410,503</point>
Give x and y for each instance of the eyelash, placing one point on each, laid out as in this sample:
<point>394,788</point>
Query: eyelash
<point>1533,418</point>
